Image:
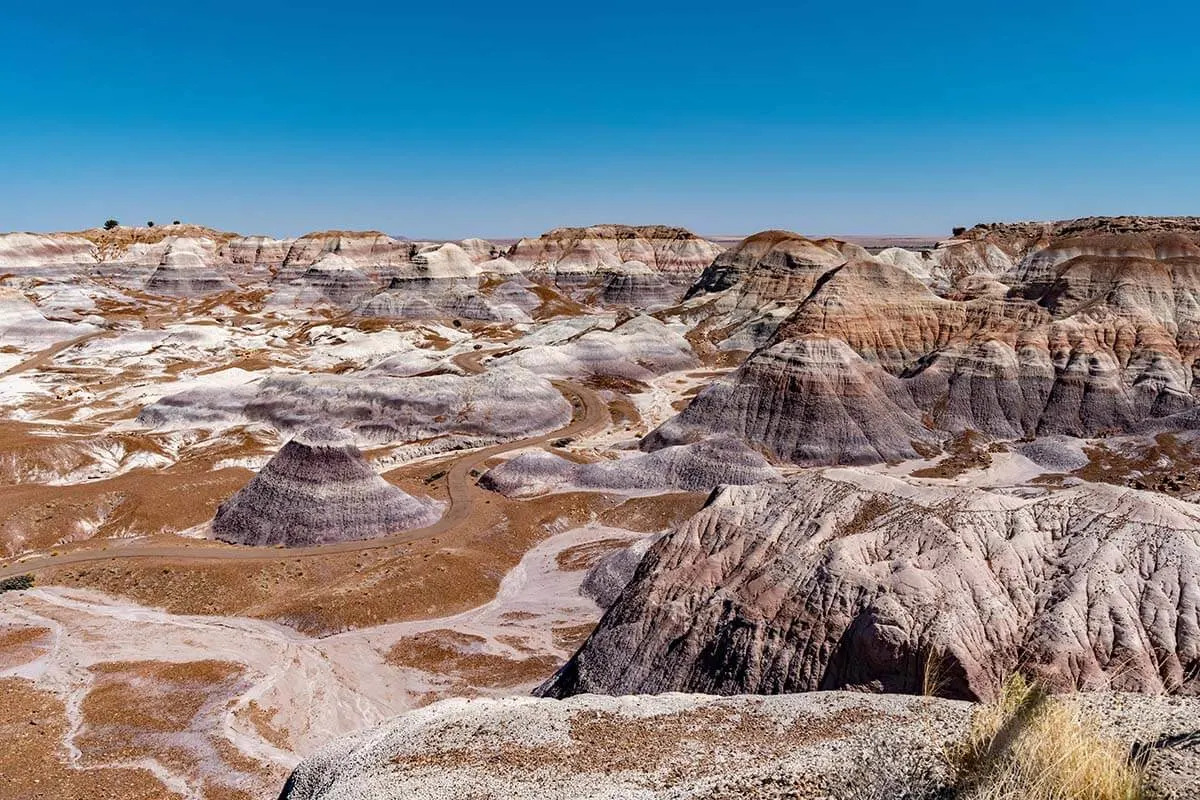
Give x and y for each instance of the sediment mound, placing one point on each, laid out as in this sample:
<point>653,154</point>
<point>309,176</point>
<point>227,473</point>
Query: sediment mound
<point>450,298</point>
<point>690,468</point>
<point>22,252</point>
<point>574,256</point>
<point>252,251</point>
<point>504,403</point>
<point>319,489</point>
<point>339,279</point>
<point>639,348</point>
<point>23,326</point>
<point>773,265</point>
<point>635,285</point>
<point>366,249</point>
<point>809,401</point>
<point>849,579</point>
<point>188,269</point>
<point>1101,341</point>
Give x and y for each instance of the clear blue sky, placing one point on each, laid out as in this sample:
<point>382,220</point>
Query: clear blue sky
<point>445,119</point>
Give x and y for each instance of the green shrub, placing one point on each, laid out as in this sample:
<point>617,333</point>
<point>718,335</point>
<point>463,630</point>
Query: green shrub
<point>16,583</point>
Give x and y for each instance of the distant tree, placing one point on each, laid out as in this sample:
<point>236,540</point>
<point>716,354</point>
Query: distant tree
<point>109,224</point>
<point>176,222</point>
<point>150,223</point>
<point>959,231</point>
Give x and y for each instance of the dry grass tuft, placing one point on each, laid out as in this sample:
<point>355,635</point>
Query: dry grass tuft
<point>1027,745</point>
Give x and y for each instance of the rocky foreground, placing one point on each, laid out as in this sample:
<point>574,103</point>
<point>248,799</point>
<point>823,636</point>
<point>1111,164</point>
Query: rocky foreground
<point>805,746</point>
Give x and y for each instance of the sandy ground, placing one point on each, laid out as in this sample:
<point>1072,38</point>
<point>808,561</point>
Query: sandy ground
<point>258,696</point>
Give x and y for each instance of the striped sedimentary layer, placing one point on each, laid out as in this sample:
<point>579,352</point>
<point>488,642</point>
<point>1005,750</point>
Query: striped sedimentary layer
<point>319,489</point>
<point>849,579</point>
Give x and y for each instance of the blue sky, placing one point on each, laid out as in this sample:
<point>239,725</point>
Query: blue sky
<point>495,119</point>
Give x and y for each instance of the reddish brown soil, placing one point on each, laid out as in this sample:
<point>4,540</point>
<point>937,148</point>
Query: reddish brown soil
<point>32,724</point>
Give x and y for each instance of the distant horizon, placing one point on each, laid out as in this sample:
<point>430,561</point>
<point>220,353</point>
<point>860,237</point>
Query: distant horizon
<point>404,236</point>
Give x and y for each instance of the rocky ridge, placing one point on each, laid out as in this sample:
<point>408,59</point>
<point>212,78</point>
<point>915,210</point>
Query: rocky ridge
<point>1077,335</point>
<point>850,579</point>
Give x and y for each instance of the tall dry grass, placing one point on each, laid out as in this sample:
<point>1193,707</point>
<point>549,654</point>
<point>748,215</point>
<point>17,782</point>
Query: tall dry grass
<point>1027,745</point>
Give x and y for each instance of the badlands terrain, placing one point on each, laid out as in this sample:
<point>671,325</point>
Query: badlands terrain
<point>616,511</point>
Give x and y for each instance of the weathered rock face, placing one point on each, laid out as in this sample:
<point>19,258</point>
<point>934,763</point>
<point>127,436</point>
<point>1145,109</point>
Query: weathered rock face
<point>847,579</point>
<point>574,256</point>
<point>638,349</point>
<point>605,748</point>
<point>21,252</point>
<point>319,489</point>
<point>1086,334</point>
<point>338,279</point>
<point>635,285</point>
<point>834,745</point>
<point>188,269</point>
<point>690,468</point>
<point>774,265</point>
<point>499,404</point>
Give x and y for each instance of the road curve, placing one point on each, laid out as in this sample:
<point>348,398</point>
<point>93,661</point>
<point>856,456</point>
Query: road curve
<point>591,414</point>
<point>44,357</point>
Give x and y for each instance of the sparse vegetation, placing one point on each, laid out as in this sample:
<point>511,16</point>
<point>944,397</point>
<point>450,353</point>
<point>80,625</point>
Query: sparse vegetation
<point>149,223</point>
<point>109,224</point>
<point>16,583</point>
<point>967,451</point>
<point>1027,745</point>
<point>1168,465</point>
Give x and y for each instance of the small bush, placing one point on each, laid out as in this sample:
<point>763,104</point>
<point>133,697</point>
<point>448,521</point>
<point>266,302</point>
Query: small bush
<point>1028,746</point>
<point>109,224</point>
<point>16,583</point>
<point>958,231</point>
<point>176,222</point>
<point>150,223</point>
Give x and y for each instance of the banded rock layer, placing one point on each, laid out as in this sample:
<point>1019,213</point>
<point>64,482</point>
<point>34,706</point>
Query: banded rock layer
<point>690,468</point>
<point>188,269</point>
<point>849,579</point>
<point>573,258</point>
<point>886,365</point>
<point>319,489</point>
<point>500,404</point>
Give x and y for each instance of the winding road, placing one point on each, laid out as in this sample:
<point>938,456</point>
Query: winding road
<point>590,414</point>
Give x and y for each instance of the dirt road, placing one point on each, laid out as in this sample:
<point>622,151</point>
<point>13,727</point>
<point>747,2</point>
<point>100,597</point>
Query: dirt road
<point>591,413</point>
